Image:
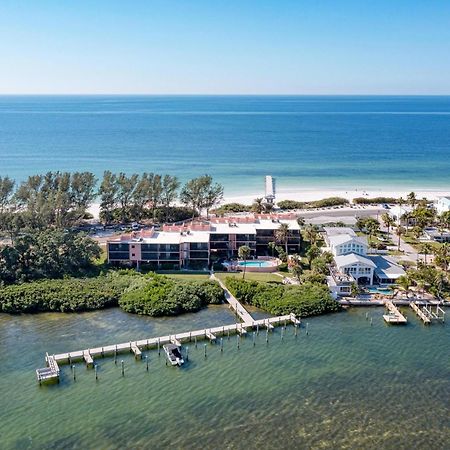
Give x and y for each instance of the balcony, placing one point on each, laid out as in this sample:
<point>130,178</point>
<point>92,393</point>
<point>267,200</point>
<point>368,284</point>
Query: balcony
<point>119,256</point>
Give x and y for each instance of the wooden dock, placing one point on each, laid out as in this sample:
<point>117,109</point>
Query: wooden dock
<point>179,338</point>
<point>49,373</point>
<point>394,316</point>
<point>88,359</point>
<point>136,350</point>
<point>434,312</point>
<point>420,313</point>
<point>136,347</point>
<point>210,336</point>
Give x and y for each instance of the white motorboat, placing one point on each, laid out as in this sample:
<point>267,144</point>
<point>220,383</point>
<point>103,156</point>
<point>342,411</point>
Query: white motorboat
<point>173,354</point>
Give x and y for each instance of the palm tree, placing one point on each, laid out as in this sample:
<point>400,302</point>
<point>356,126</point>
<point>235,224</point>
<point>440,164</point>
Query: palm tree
<point>311,234</point>
<point>426,249</point>
<point>444,219</point>
<point>282,235</point>
<point>243,253</point>
<point>400,232</point>
<point>372,228</point>
<point>388,221</point>
<point>301,222</point>
<point>404,282</point>
<point>442,256</point>
<point>312,253</point>
<point>296,267</point>
<point>258,206</point>
<point>271,245</point>
<point>412,199</point>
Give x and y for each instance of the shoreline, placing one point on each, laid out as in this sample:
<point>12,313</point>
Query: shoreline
<point>310,194</point>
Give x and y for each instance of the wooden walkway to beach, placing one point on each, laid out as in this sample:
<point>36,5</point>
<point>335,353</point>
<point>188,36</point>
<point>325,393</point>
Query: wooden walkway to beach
<point>233,302</point>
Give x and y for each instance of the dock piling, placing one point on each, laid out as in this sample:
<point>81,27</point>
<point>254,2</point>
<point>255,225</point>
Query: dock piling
<point>221,344</point>
<point>205,350</point>
<point>73,370</point>
<point>96,371</point>
<point>254,341</point>
<point>123,368</point>
<point>187,353</point>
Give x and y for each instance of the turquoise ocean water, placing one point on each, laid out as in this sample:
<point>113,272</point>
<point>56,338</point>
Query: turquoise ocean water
<point>305,142</point>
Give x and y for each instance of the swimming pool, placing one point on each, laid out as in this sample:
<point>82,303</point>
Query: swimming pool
<point>385,291</point>
<point>256,263</point>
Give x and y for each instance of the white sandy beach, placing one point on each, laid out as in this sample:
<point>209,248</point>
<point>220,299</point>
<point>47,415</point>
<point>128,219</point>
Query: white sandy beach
<point>305,195</point>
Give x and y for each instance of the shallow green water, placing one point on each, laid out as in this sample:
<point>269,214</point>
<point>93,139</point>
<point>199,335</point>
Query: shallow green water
<point>347,384</point>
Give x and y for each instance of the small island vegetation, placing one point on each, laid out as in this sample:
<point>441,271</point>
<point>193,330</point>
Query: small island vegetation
<point>307,299</point>
<point>150,294</point>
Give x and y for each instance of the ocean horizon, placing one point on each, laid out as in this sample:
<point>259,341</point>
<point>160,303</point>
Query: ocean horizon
<point>305,142</point>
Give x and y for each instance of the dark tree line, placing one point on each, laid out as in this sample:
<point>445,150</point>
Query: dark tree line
<point>56,200</point>
<point>47,254</point>
<point>136,197</point>
<point>60,200</point>
<point>152,196</point>
<point>38,215</point>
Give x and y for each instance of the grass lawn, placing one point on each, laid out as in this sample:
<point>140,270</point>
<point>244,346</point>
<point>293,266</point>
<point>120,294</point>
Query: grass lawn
<point>187,276</point>
<point>254,276</point>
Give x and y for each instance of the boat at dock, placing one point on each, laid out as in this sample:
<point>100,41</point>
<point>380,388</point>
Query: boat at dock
<point>173,354</point>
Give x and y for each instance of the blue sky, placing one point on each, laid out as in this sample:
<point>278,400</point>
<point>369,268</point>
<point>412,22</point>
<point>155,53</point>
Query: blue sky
<point>225,47</point>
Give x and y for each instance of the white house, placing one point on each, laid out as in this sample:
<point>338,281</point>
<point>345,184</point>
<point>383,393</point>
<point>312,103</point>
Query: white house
<point>343,244</point>
<point>357,266</point>
<point>443,205</point>
<point>397,212</point>
<point>387,270</point>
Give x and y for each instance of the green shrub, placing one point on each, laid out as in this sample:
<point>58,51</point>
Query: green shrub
<point>374,200</point>
<point>324,203</point>
<point>154,295</point>
<point>231,208</point>
<point>163,296</point>
<point>67,295</point>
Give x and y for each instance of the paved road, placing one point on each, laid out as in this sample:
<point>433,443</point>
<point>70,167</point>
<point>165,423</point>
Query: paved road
<point>345,215</point>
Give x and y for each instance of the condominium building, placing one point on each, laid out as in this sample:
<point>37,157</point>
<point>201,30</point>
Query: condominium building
<point>196,245</point>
